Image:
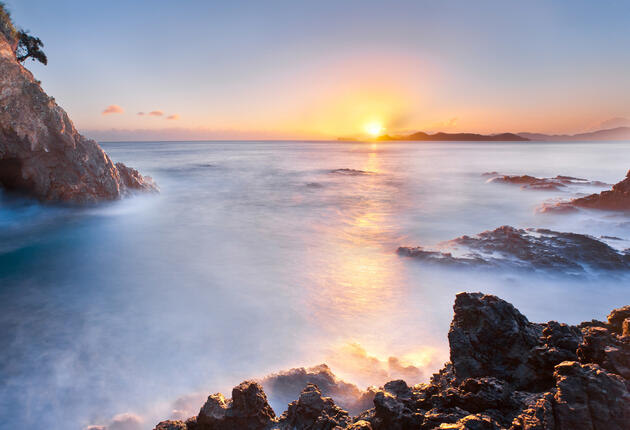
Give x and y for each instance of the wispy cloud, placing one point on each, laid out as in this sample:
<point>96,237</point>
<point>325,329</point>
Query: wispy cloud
<point>156,113</point>
<point>174,116</point>
<point>113,109</point>
<point>140,113</point>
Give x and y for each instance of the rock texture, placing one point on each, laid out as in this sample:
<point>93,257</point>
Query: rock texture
<point>43,155</point>
<point>615,199</point>
<point>529,249</point>
<point>505,373</point>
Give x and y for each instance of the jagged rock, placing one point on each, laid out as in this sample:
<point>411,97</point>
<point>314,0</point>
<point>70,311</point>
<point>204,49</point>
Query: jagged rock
<point>617,317</point>
<point>538,415</point>
<point>246,410</point>
<point>590,398</point>
<point>313,412</point>
<point>616,199</point>
<point>43,155</point>
<point>605,348</point>
<point>473,422</point>
<point>360,425</point>
<point>489,337</point>
<point>505,372</point>
<point>529,249</point>
<point>171,425</point>
<point>626,328</point>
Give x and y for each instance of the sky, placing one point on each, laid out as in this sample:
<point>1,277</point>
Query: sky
<point>324,69</point>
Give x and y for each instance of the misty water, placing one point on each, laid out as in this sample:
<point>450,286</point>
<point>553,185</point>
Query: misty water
<point>257,257</point>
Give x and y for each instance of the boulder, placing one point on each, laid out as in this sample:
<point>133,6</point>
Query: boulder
<point>248,409</point>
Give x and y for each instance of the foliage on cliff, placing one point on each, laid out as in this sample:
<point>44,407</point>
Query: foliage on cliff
<point>24,45</point>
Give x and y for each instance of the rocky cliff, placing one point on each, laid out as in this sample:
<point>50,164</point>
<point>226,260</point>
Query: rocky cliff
<point>505,373</point>
<point>42,154</point>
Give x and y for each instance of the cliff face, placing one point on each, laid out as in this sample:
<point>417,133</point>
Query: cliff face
<point>505,373</point>
<point>43,155</point>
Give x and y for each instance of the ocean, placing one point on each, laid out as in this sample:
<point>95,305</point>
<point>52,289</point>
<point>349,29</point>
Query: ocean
<point>261,256</point>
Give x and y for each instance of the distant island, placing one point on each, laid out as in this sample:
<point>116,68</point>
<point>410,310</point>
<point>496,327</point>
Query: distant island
<point>458,137</point>
<point>609,134</point>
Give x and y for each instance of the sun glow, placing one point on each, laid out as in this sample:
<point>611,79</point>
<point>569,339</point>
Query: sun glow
<point>374,128</point>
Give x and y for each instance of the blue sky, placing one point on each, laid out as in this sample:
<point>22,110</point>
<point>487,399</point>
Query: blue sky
<point>319,69</point>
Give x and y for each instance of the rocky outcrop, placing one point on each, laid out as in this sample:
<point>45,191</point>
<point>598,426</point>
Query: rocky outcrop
<point>528,182</point>
<point>615,199</point>
<point>505,373</point>
<point>529,249</point>
<point>43,155</point>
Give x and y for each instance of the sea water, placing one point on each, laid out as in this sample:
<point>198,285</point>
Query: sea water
<point>261,256</point>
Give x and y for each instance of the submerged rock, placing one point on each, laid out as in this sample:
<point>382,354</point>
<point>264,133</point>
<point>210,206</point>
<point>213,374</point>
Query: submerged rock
<point>530,249</point>
<point>505,373</point>
<point>43,155</point>
<point>546,184</point>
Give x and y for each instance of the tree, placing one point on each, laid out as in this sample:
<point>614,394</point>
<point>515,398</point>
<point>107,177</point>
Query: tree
<point>30,47</point>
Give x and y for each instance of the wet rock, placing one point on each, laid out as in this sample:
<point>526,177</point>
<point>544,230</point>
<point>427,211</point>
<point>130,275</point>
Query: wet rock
<point>312,411</point>
<point>43,155</point>
<point>526,249</point>
<point>246,410</point>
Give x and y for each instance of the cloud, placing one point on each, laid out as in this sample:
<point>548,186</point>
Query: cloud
<point>156,113</point>
<point>174,117</point>
<point>113,109</point>
<point>140,113</point>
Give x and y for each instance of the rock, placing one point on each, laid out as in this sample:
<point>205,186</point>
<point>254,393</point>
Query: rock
<point>588,397</point>
<point>505,373</point>
<point>313,412</point>
<point>545,184</point>
<point>489,337</point>
<point>473,422</point>
<point>617,317</point>
<point>246,410</point>
<point>525,249</point>
<point>43,155</point>
<point>171,425</point>
<point>360,425</point>
<point>351,172</point>
<point>605,348</point>
<point>615,199</point>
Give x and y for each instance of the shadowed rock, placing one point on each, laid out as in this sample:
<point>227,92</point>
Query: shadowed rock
<point>312,411</point>
<point>505,373</point>
<point>529,249</point>
<point>43,155</point>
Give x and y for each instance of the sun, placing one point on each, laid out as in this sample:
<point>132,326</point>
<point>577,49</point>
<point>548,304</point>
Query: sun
<point>374,128</point>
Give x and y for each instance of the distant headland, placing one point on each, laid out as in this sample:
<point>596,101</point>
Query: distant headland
<point>609,134</point>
